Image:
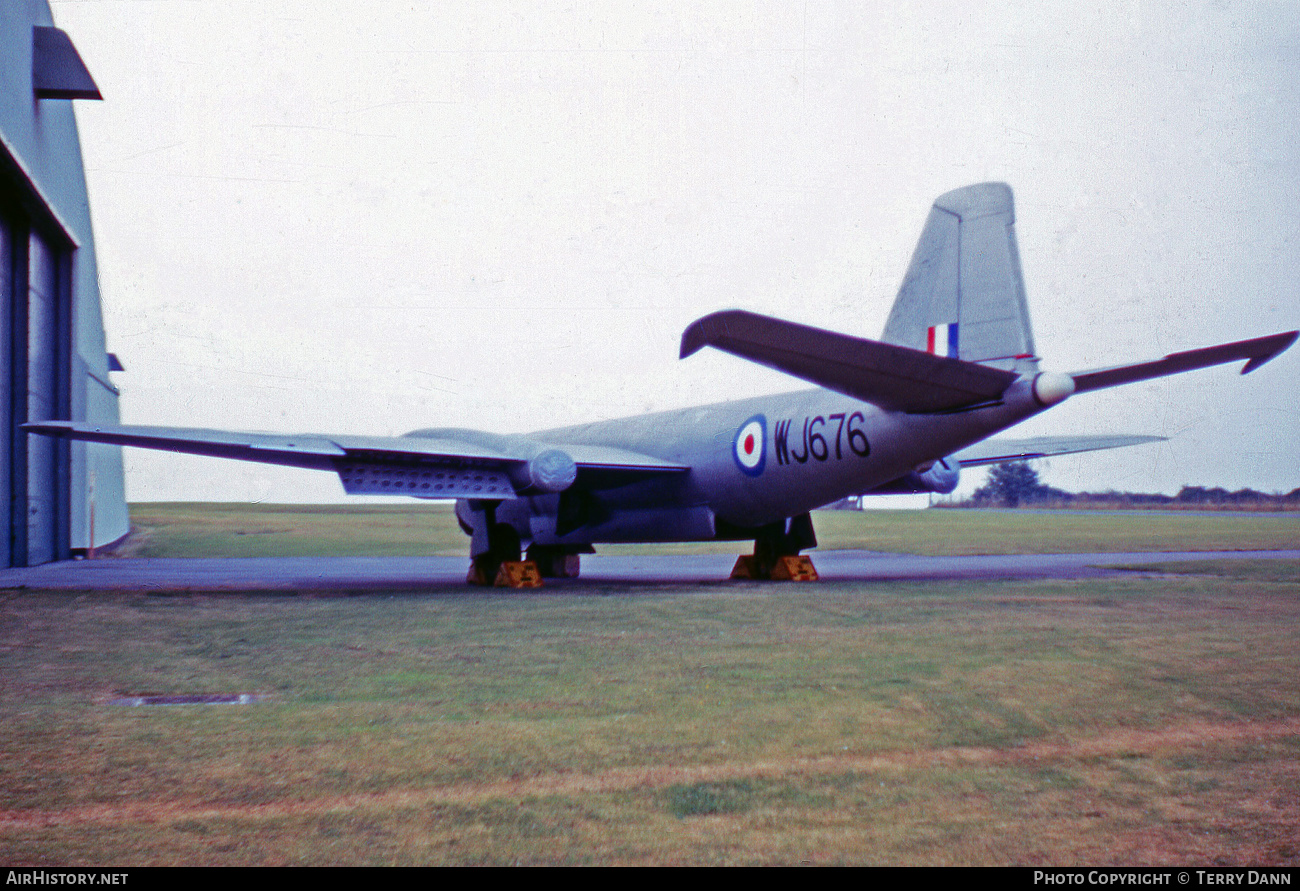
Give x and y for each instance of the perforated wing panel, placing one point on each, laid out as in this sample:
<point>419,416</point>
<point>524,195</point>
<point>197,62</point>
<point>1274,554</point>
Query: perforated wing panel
<point>425,479</point>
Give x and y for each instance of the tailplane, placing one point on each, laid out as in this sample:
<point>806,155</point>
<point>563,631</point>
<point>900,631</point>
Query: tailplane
<point>958,335</point>
<point>964,296</point>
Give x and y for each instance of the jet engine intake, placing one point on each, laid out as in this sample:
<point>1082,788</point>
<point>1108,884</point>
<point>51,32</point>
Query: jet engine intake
<point>940,477</point>
<point>551,471</point>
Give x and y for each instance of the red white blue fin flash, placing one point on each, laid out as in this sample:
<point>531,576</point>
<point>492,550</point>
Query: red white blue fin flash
<point>941,340</point>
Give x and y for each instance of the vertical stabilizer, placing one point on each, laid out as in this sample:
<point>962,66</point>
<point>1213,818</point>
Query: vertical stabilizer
<point>963,295</point>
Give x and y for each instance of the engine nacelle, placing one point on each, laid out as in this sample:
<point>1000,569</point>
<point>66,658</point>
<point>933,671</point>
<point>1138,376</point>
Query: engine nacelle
<point>550,470</point>
<point>940,478</point>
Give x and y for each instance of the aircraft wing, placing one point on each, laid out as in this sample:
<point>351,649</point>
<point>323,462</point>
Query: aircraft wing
<point>893,377</point>
<point>474,465</point>
<point>996,451</point>
<point>1256,352</point>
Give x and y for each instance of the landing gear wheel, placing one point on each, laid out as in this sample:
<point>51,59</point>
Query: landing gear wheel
<point>555,562</point>
<point>503,545</point>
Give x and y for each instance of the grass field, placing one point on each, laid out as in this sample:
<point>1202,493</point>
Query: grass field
<point>241,530</point>
<point>1145,719</point>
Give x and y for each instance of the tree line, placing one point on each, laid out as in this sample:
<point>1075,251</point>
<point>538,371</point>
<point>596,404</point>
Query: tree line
<point>1016,483</point>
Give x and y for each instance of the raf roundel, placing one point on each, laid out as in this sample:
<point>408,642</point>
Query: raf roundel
<point>749,446</point>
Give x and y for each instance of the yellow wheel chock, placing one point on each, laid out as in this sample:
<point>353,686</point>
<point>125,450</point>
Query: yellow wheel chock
<point>787,569</point>
<point>518,574</point>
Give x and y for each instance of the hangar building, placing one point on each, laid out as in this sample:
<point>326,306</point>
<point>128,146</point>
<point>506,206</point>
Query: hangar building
<point>57,499</point>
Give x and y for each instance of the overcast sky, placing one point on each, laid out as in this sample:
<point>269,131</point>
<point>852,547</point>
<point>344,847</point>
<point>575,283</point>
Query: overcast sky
<point>371,217</point>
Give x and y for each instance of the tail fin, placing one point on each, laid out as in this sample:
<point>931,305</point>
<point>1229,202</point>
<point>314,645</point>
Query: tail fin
<point>963,295</point>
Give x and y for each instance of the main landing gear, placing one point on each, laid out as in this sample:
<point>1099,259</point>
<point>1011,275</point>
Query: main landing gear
<point>776,552</point>
<point>495,554</point>
<point>555,562</point>
<point>496,550</point>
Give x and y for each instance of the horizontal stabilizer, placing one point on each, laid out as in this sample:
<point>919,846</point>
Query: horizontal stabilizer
<point>997,451</point>
<point>1256,352</point>
<point>893,377</point>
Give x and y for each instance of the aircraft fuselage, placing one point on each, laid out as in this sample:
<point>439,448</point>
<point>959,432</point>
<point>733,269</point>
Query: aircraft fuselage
<point>752,462</point>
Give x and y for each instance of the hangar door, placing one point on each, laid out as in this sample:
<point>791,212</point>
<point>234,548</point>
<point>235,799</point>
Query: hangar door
<point>35,342</point>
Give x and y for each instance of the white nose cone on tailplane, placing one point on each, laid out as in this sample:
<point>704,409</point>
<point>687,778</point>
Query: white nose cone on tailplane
<point>1051,388</point>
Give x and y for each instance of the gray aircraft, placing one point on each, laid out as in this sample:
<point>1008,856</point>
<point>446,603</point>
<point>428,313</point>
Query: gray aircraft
<point>955,364</point>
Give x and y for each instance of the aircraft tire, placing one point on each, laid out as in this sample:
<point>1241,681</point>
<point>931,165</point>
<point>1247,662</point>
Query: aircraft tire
<point>555,562</point>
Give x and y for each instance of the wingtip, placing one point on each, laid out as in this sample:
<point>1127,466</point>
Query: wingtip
<point>1276,345</point>
<point>692,341</point>
<point>703,331</point>
<point>53,427</point>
